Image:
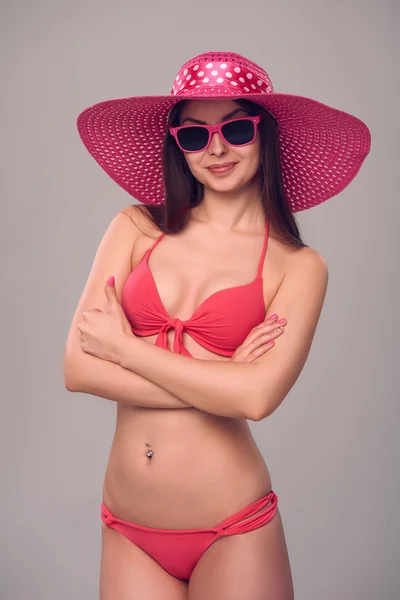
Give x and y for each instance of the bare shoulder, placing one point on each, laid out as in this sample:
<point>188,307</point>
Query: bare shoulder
<point>298,267</point>
<point>285,261</point>
<point>305,257</point>
<point>141,219</point>
<point>306,275</point>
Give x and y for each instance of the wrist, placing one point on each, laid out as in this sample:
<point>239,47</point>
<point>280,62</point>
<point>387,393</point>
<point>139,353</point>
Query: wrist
<point>124,348</point>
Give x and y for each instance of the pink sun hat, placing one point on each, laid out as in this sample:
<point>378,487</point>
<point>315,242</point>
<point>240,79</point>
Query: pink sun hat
<point>322,148</point>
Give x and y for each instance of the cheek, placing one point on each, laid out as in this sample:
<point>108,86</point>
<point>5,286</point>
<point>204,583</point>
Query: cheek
<point>254,152</point>
<point>190,160</point>
<point>250,157</point>
<point>193,161</point>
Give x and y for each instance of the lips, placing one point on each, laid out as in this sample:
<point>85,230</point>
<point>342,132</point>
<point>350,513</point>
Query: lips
<point>221,168</point>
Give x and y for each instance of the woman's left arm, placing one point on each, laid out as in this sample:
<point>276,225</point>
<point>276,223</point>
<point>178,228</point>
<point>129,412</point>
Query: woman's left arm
<point>243,390</point>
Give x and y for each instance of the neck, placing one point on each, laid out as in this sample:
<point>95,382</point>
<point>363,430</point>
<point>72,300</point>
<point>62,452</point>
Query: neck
<point>240,210</point>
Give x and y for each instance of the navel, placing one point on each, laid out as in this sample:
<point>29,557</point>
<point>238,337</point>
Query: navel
<point>149,452</point>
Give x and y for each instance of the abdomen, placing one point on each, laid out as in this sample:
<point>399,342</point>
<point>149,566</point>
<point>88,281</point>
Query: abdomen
<point>203,466</point>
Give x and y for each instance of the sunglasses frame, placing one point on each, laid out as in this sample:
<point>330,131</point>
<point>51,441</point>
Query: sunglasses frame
<point>211,129</point>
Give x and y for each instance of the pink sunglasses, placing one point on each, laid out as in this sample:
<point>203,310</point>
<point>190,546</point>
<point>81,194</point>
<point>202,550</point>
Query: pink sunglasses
<point>236,132</point>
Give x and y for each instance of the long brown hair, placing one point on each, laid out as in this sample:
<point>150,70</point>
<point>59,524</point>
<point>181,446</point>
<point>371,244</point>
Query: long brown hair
<point>183,191</point>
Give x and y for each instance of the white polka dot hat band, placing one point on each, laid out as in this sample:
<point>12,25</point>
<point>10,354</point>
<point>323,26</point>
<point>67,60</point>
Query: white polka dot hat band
<point>322,148</point>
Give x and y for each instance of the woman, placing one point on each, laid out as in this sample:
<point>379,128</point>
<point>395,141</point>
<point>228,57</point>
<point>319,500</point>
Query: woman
<point>220,166</point>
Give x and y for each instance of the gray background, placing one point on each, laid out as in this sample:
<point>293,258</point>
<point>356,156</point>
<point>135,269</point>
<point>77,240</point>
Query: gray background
<point>331,447</point>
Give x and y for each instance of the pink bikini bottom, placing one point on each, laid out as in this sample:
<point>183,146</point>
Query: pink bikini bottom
<point>179,550</point>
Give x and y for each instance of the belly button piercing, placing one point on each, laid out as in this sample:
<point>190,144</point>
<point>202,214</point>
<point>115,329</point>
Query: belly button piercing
<point>149,452</point>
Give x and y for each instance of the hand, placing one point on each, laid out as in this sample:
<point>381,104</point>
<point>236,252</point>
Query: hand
<point>103,333</point>
<point>258,341</point>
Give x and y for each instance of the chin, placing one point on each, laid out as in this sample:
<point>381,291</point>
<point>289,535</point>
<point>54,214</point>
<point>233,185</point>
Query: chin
<point>226,185</point>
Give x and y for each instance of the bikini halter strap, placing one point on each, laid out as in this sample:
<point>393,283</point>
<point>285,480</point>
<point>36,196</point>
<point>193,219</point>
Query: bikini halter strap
<point>264,250</point>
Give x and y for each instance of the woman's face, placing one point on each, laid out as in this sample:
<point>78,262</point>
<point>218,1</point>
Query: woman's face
<point>246,159</point>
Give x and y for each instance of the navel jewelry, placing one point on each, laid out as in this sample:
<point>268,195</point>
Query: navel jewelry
<point>149,452</point>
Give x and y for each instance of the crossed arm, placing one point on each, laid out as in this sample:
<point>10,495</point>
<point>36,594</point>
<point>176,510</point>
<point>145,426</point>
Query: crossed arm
<point>244,390</point>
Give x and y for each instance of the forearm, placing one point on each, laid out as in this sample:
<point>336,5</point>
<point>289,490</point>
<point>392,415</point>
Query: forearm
<point>91,375</point>
<point>219,387</point>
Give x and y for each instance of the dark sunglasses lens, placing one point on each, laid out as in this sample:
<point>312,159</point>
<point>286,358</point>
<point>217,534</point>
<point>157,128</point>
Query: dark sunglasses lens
<point>238,132</point>
<point>193,138</point>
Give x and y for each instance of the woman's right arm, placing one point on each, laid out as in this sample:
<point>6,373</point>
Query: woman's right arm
<point>102,378</point>
<point>86,373</point>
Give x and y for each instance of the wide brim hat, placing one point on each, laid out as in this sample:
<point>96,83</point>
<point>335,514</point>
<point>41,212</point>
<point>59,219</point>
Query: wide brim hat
<point>322,148</point>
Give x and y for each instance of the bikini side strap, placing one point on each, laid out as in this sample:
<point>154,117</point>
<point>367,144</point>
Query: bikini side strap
<point>158,240</point>
<point>264,250</point>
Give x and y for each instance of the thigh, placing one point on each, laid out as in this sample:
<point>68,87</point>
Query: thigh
<point>128,573</point>
<point>252,565</point>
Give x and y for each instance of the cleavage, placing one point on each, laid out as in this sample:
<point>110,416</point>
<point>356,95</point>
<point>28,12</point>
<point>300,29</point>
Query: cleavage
<point>176,292</point>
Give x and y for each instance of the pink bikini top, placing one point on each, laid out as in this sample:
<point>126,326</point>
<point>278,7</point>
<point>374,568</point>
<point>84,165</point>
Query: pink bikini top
<point>221,323</point>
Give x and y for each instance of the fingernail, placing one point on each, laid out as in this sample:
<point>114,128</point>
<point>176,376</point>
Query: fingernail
<point>281,320</point>
<point>110,280</point>
<point>272,317</point>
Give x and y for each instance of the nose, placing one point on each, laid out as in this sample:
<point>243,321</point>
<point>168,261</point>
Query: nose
<point>217,145</point>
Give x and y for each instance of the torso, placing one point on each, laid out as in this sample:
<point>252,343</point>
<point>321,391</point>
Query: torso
<point>204,467</point>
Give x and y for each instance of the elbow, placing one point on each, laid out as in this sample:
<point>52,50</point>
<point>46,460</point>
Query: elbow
<point>70,379</point>
<point>264,407</point>
<point>258,408</point>
<point>255,407</point>
<point>69,385</point>
<point>261,414</point>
